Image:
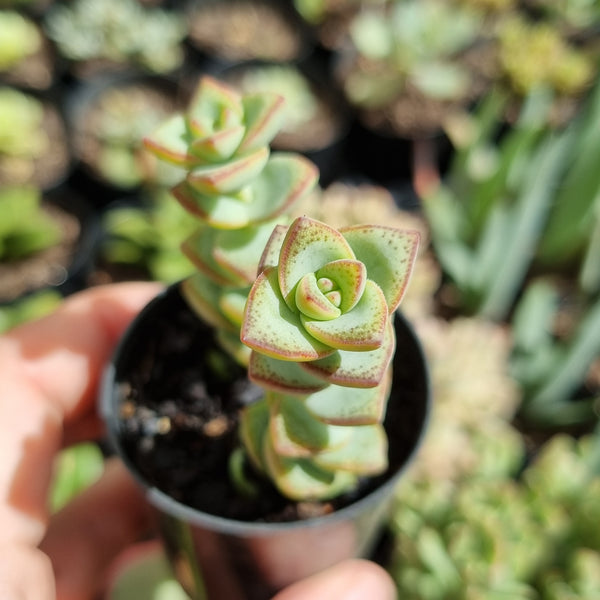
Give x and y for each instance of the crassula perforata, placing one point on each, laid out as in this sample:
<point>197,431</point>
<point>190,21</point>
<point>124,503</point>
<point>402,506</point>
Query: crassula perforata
<point>319,320</point>
<point>234,187</point>
<point>307,308</point>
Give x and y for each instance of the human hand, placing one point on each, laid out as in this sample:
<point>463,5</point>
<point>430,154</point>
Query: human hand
<point>49,371</point>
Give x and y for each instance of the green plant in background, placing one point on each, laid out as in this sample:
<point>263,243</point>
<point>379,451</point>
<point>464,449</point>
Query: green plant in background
<point>22,137</point>
<point>111,133</point>
<point>31,307</point>
<point>122,31</point>
<point>19,38</point>
<point>493,211</point>
<point>411,43</point>
<point>573,16</point>
<point>148,237</point>
<point>536,54</point>
<point>532,538</point>
<point>553,365</point>
<point>24,228</point>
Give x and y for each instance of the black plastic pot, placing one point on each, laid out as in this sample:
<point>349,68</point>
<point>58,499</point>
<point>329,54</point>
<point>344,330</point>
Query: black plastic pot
<point>215,556</point>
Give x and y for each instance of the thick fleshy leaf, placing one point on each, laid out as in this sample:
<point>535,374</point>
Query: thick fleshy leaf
<point>220,211</point>
<point>389,255</point>
<point>215,106</point>
<point>232,302</point>
<point>219,146</point>
<point>364,454</point>
<point>301,479</point>
<point>360,329</point>
<point>239,251</point>
<point>170,142</point>
<point>308,245</point>
<point>271,328</point>
<point>253,428</point>
<point>270,255</point>
<point>230,342</point>
<point>349,276</point>
<point>199,249</point>
<point>282,375</point>
<point>350,406</point>
<point>296,433</point>
<point>356,369</point>
<point>228,177</point>
<point>285,179</point>
<point>202,295</point>
<point>312,302</point>
<point>264,115</point>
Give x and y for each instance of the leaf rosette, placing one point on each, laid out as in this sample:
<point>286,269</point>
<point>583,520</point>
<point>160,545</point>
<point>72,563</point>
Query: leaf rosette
<point>319,311</point>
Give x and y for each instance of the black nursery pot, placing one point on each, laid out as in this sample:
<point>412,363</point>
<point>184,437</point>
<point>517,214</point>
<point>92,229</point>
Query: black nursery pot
<point>223,545</point>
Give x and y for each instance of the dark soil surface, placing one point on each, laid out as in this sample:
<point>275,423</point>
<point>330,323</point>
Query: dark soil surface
<point>180,396</point>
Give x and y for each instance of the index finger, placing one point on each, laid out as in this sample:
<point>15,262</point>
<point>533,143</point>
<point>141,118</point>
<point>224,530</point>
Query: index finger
<point>49,371</point>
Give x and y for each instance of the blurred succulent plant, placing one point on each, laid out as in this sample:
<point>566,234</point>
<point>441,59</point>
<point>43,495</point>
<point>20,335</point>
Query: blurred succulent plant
<point>148,236</point>
<point>110,129</point>
<point>531,538</point>
<point>537,55</point>
<point>102,29</point>
<point>22,137</point>
<point>32,306</point>
<point>24,227</point>
<point>514,187</point>
<point>574,17</point>
<point>19,38</point>
<point>411,45</point>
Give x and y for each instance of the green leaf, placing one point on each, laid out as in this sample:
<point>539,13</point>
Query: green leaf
<point>215,106</point>
<point>349,276</point>
<point>170,141</point>
<point>239,251</point>
<point>228,177</point>
<point>271,328</point>
<point>200,249</point>
<point>350,406</point>
<point>301,479</point>
<point>264,115</point>
<point>218,147</point>
<point>282,375</point>
<point>365,453</point>
<point>296,433</point>
<point>203,296</point>
<point>360,329</point>
<point>356,369</point>
<point>312,302</point>
<point>270,255</point>
<point>389,255</point>
<point>308,246</point>
<point>254,426</point>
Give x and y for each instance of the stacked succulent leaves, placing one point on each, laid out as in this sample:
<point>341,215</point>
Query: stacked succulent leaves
<point>307,307</point>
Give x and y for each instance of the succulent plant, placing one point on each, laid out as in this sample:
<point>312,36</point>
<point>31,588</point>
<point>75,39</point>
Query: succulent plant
<point>536,54</point>
<point>319,321</point>
<point>411,44</point>
<point>102,29</point>
<point>21,133</point>
<point>19,38</point>
<point>236,189</point>
<point>306,307</point>
<point>24,227</point>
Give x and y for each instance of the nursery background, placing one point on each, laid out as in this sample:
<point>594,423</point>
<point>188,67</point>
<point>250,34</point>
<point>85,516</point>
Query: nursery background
<point>475,121</point>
